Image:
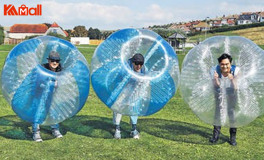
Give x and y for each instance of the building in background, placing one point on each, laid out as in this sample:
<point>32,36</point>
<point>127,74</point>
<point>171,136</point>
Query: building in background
<point>80,40</point>
<point>19,32</point>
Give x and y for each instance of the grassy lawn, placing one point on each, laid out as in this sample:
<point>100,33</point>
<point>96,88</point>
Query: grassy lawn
<point>172,133</point>
<point>6,47</point>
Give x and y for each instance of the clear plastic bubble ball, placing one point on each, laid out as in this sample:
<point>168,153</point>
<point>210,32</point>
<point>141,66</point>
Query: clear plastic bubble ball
<point>234,103</point>
<point>126,91</point>
<point>30,88</point>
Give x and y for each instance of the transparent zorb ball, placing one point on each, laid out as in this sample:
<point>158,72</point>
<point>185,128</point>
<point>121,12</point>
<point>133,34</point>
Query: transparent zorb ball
<point>227,105</point>
<point>126,91</point>
<point>37,94</point>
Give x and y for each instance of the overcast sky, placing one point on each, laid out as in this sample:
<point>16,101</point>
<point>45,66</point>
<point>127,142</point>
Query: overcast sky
<point>118,14</point>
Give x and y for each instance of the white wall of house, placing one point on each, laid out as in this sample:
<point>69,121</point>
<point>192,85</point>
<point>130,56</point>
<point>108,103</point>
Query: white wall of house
<point>261,19</point>
<point>205,28</point>
<point>224,21</point>
<point>23,35</point>
<point>80,40</point>
<point>244,22</point>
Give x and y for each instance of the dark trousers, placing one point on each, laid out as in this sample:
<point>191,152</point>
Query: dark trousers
<point>231,98</point>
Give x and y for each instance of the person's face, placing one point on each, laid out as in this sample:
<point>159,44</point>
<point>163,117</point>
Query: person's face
<point>137,66</point>
<point>53,63</point>
<point>225,66</point>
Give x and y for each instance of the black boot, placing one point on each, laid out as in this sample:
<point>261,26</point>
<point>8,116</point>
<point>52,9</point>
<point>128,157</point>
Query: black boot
<point>216,133</point>
<point>232,140</point>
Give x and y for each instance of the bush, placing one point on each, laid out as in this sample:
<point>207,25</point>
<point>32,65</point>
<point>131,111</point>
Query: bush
<point>30,37</point>
<point>2,35</point>
<point>50,34</point>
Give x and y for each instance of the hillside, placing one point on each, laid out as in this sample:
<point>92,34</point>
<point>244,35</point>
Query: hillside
<point>255,34</point>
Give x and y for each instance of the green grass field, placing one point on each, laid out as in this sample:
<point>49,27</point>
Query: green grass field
<point>172,133</point>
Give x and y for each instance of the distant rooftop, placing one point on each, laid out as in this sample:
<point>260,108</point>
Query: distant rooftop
<point>177,35</point>
<point>28,28</point>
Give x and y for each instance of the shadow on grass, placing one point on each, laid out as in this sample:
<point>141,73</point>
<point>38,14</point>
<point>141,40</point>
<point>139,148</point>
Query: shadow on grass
<point>12,127</point>
<point>101,127</point>
<point>179,131</point>
<point>94,126</point>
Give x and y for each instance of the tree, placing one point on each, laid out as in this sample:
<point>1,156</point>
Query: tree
<point>98,33</point>
<point>106,34</point>
<point>165,26</point>
<point>165,33</point>
<point>79,31</point>
<point>91,33</point>
<point>94,33</point>
<point>50,34</point>
<point>2,35</point>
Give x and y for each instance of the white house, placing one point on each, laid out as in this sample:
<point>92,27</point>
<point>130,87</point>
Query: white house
<point>202,26</point>
<point>261,17</point>
<point>18,32</point>
<point>247,18</point>
<point>80,40</point>
<point>55,28</point>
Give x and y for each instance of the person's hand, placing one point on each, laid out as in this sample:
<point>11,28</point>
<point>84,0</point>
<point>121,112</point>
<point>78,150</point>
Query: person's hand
<point>216,80</point>
<point>230,76</point>
<point>216,76</point>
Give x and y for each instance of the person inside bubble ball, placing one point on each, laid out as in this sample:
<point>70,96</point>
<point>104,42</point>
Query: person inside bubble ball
<point>53,65</point>
<point>137,64</point>
<point>225,74</point>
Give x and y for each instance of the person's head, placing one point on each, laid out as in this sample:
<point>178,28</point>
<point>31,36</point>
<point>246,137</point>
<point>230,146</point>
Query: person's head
<point>225,61</point>
<point>137,61</point>
<point>54,60</point>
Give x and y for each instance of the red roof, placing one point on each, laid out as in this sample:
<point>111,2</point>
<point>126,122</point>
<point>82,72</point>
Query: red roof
<point>188,24</point>
<point>217,22</point>
<point>230,21</point>
<point>195,22</point>
<point>54,25</point>
<point>28,28</point>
